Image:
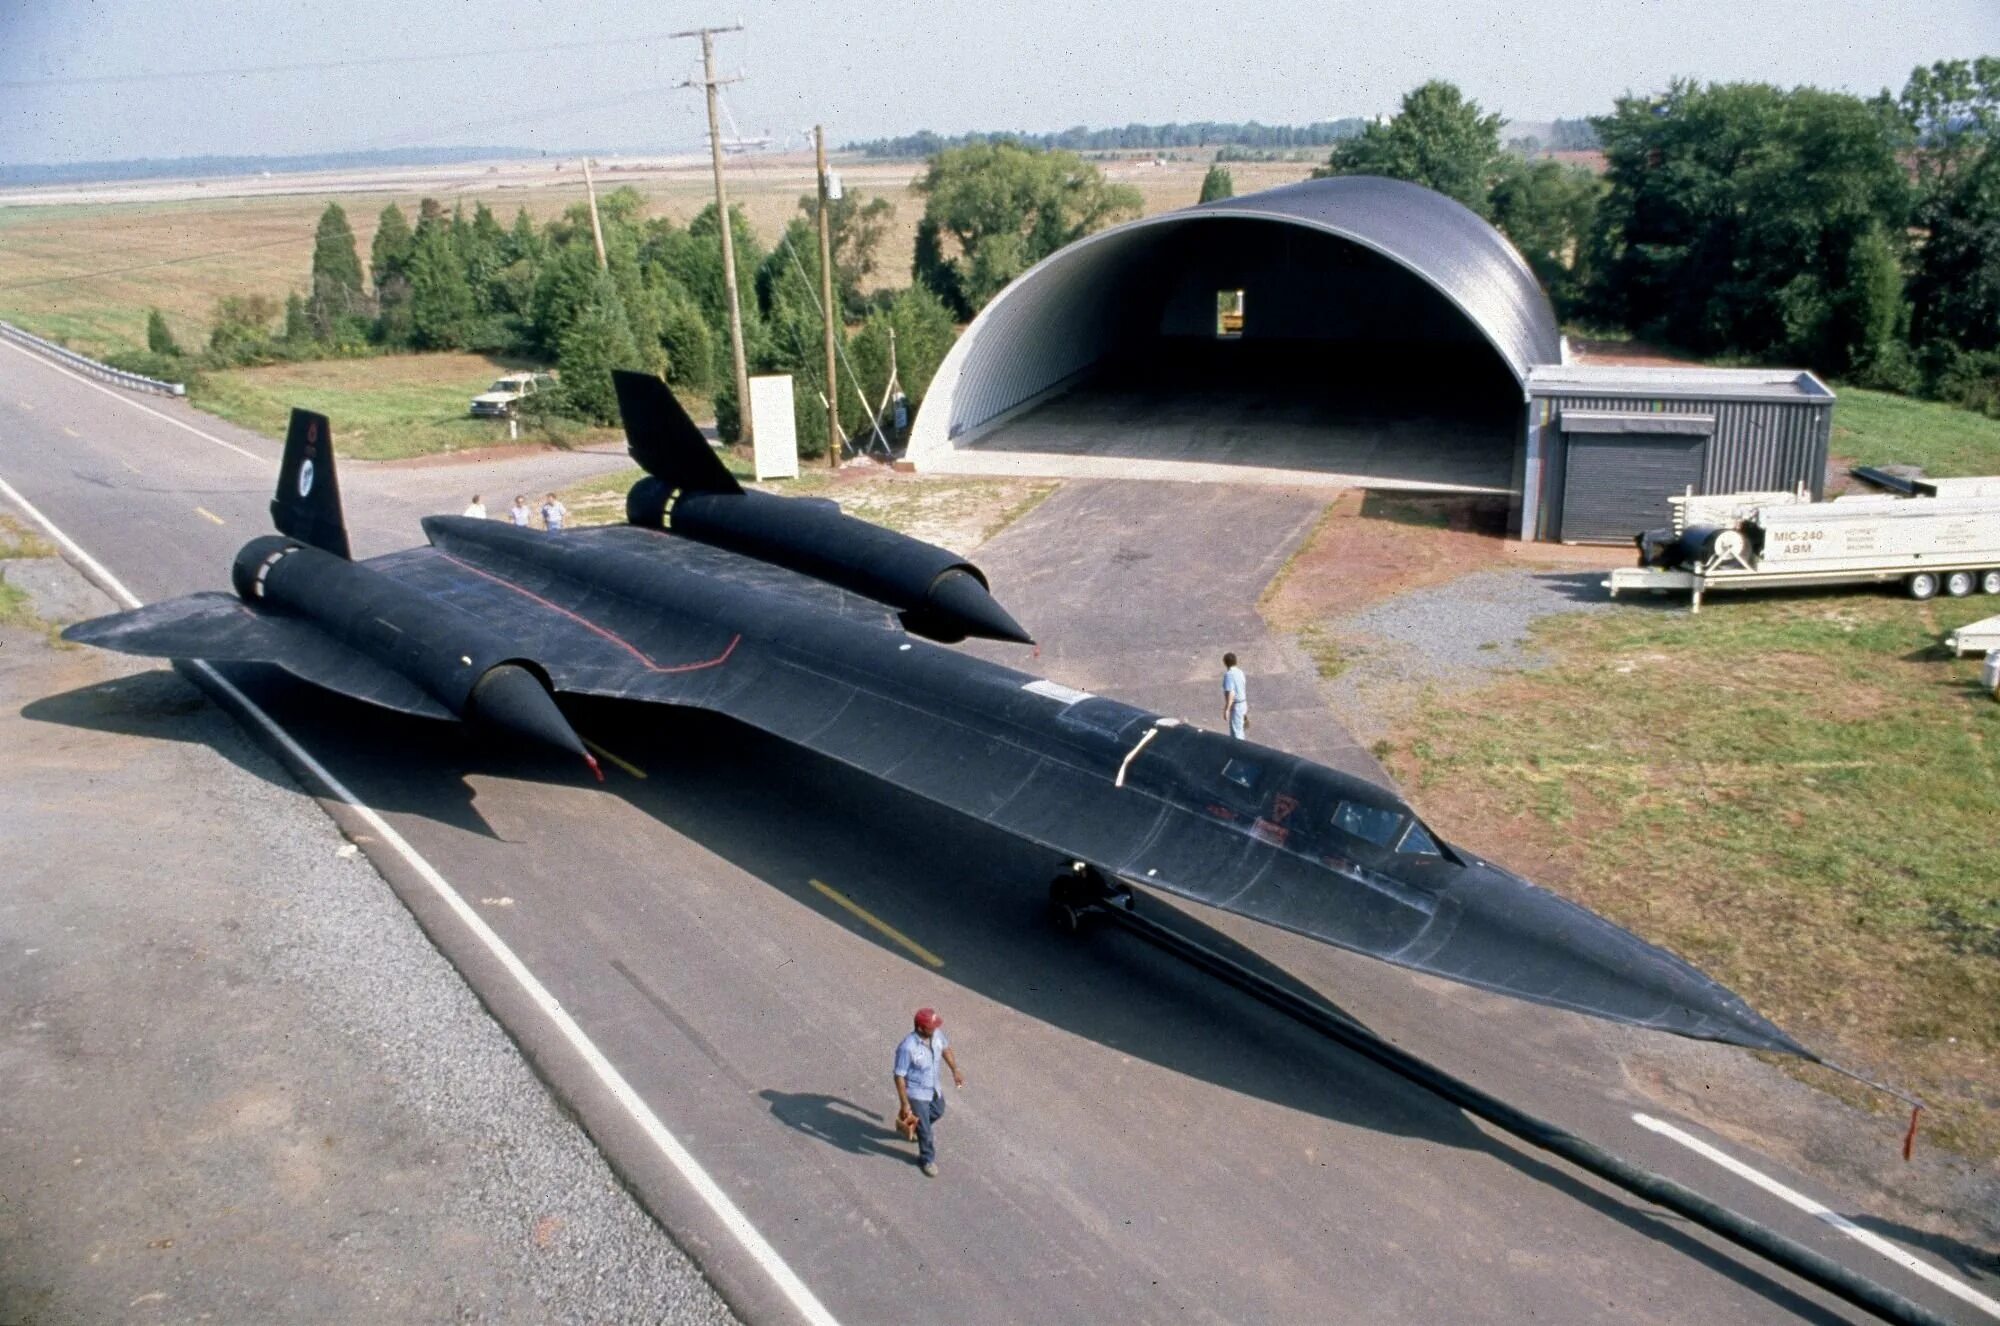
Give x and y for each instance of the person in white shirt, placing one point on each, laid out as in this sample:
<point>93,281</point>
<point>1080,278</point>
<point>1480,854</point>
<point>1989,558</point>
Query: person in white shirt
<point>520,512</point>
<point>477,510</point>
<point>1235,697</point>
<point>553,513</point>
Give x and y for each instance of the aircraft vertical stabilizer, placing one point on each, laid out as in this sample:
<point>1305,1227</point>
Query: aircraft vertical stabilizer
<point>307,503</point>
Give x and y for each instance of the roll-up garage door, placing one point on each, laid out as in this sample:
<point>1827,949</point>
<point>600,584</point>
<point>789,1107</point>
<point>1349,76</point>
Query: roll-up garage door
<point>1621,468</point>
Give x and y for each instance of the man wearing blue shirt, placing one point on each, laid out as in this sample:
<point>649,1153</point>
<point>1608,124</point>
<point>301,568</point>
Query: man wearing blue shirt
<point>919,1102</point>
<point>1235,697</point>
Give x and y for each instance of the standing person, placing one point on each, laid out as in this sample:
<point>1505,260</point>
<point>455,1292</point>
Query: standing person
<point>1235,697</point>
<point>919,1102</point>
<point>553,513</point>
<point>520,512</point>
<point>477,510</point>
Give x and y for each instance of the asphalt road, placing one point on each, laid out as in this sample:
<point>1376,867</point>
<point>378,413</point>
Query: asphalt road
<point>743,930</point>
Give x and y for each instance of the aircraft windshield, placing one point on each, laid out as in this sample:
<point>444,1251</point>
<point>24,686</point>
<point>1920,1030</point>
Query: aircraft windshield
<point>1418,842</point>
<point>1369,823</point>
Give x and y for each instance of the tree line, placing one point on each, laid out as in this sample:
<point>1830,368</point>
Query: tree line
<point>459,281</point>
<point>1858,237</point>
<point>1131,137</point>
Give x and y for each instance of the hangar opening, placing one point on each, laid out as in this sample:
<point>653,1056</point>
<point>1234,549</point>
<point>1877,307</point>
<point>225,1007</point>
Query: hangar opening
<point>1357,331</point>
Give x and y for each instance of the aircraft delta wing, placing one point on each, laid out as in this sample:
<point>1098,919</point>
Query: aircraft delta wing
<point>793,618</point>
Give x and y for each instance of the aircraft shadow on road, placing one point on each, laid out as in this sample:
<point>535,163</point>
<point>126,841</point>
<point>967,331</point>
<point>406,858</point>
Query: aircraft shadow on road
<point>788,817</point>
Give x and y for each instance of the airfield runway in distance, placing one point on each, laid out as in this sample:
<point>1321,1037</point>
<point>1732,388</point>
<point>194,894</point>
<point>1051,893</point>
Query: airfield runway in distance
<point>740,929</point>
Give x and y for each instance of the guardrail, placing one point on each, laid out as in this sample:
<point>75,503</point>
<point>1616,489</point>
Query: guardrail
<point>84,364</point>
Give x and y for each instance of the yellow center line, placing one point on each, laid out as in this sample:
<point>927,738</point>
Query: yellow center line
<point>71,431</point>
<point>626,765</point>
<point>923,954</point>
<point>205,513</point>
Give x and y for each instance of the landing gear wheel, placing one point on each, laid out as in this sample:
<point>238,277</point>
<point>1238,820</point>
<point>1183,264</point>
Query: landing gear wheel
<point>1069,904</point>
<point>1958,584</point>
<point>1989,582</point>
<point>1923,585</point>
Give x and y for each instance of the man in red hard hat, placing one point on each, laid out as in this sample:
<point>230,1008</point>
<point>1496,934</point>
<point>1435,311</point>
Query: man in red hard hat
<point>919,1100</point>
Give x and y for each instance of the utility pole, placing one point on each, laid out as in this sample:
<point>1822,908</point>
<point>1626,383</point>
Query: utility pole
<point>827,310</point>
<point>596,230</point>
<point>710,82</point>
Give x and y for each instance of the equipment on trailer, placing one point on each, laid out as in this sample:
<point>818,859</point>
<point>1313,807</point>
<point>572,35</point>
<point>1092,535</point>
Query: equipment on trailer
<point>1945,538</point>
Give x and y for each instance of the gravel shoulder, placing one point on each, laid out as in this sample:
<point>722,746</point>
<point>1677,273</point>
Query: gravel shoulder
<point>241,1083</point>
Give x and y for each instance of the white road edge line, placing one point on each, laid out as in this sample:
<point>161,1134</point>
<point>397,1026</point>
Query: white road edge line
<point>767,1257</point>
<point>1866,1238</point>
<point>143,409</point>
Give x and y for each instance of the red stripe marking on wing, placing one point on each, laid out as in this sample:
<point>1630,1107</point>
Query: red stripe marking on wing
<point>591,626</point>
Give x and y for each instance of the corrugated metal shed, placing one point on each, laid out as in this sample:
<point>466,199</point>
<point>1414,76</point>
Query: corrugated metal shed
<point>1064,314</point>
<point>1767,431</point>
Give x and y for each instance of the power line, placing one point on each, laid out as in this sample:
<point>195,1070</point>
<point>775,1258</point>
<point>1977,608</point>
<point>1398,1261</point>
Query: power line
<point>321,66</point>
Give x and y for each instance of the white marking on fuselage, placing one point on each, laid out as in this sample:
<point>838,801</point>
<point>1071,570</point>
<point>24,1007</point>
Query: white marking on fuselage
<point>1055,690</point>
<point>1133,754</point>
<point>677,1155</point>
<point>1873,1242</point>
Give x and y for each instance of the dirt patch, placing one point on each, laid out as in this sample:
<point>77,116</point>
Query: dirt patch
<point>1373,546</point>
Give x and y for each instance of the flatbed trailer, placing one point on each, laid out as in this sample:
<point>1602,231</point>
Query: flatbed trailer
<point>1946,540</point>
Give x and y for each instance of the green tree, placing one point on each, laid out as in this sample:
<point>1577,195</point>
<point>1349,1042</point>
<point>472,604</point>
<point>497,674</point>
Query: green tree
<point>1741,218</point>
<point>597,340</point>
<point>442,309</point>
<point>924,333</point>
<point>390,253</point>
<point>337,288</point>
<point>1546,208</point>
<point>1217,184</point>
<point>240,332</point>
<point>992,210</point>
<point>160,337</point>
<point>389,258</point>
<point>1952,112</point>
<point>1437,139</point>
<point>689,344</point>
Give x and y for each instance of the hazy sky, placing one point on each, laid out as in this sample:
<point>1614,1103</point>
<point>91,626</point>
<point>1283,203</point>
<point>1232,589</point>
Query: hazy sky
<point>78,78</point>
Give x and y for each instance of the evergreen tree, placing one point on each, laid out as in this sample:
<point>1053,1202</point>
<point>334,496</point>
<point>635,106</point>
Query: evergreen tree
<point>389,260</point>
<point>442,311</point>
<point>1217,185</point>
<point>159,337</point>
<point>337,301</point>
<point>389,255</point>
<point>597,340</point>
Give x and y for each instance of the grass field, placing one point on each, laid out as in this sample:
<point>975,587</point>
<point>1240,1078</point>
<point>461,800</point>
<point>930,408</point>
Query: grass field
<point>1877,428</point>
<point>381,408</point>
<point>1799,794</point>
<point>17,540</point>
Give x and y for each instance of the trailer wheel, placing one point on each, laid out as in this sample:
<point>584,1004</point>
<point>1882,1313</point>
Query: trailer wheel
<point>1989,582</point>
<point>1923,585</point>
<point>1959,583</point>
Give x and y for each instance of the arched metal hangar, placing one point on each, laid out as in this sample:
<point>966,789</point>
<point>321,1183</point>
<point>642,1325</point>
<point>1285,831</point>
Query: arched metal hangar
<point>1357,329</point>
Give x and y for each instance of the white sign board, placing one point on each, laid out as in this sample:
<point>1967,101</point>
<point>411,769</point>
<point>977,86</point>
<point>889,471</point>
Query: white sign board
<point>774,433</point>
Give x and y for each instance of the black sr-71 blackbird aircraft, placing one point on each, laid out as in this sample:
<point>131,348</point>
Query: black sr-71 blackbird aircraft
<point>785,614</point>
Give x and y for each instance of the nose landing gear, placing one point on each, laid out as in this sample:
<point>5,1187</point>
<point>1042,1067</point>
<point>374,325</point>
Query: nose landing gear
<point>1081,894</point>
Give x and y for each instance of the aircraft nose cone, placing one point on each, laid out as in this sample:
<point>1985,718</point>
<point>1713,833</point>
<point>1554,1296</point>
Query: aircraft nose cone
<point>958,597</point>
<point>1518,938</point>
<point>512,698</point>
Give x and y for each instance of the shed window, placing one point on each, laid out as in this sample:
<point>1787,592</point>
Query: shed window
<point>1228,314</point>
